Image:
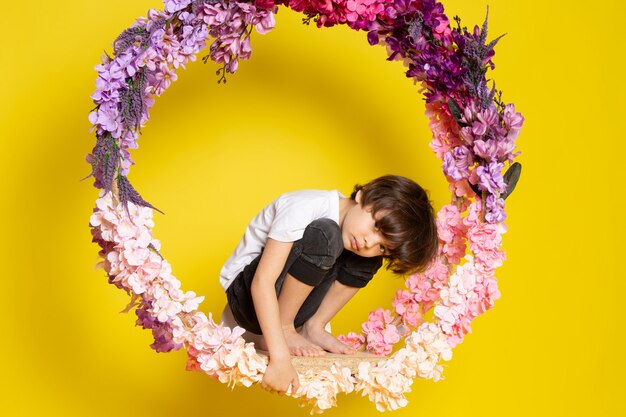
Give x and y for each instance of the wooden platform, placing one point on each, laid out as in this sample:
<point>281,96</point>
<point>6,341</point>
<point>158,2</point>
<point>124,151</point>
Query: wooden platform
<point>304,363</point>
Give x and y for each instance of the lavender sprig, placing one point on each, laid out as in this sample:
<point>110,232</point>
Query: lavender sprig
<point>476,56</point>
<point>136,35</point>
<point>197,4</point>
<point>105,161</point>
<point>127,193</point>
<point>132,100</point>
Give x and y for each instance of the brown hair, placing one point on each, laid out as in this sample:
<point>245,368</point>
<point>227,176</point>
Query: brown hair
<point>408,224</point>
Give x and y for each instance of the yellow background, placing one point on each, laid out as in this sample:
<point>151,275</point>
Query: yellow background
<point>312,109</point>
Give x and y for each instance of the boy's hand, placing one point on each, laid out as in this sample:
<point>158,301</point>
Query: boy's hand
<point>279,375</point>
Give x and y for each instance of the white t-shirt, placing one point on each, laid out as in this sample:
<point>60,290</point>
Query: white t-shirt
<point>284,219</point>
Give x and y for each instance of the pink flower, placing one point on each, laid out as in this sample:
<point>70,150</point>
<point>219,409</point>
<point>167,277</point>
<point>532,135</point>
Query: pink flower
<point>513,122</point>
<point>380,333</point>
<point>479,128</point>
<point>449,223</point>
<point>451,232</point>
<point>512,119</point>
<point>422,289</point>
<point>213,14</point>
<point>408,308</point>
<point>162,78</point>
<point>473,213</point>
<point>461,188</point>
<point>467,134</point>
<point>439,145</point>
<point>354,9</point>
<point>265,22</point>
<point>485,240</point>
<point>352,339</point>
<point>443,28</point>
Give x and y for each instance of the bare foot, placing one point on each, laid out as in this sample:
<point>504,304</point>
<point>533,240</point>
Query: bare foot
<point>300,346</point>
<point>319,336</point>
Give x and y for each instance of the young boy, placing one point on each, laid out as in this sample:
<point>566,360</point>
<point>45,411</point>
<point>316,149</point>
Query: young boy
<point>308,252</point>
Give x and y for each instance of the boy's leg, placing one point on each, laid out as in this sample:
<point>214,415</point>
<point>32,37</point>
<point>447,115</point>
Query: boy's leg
<point>292,295</point>
<point>308,264</point>
<point>314,329</point>
<point>320,247</point>
<point>350,273</point>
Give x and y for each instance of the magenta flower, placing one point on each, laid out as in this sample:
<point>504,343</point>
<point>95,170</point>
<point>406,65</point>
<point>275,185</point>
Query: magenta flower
<point>264,4</point>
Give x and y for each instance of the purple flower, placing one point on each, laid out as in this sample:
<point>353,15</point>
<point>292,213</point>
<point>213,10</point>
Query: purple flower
<point>108,118</point>
<point>127,162</point>
<point>162,332</point>
<point>172,6</point>
<point>490,177</point>
<point>110,80</point>
<point>187,18</point>
<point>156,20</point>
<point>127,61</point>
<point>129,139</point>
<point>194,40</point>
<point>494,209</point>
<point>456,163</point>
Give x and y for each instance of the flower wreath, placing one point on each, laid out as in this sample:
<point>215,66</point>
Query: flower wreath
<point>474,135</point>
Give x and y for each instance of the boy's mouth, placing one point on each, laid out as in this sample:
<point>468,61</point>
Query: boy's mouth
<point>355,244</point>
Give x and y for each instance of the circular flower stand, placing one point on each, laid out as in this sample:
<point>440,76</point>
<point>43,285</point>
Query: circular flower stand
<point>474,134</point>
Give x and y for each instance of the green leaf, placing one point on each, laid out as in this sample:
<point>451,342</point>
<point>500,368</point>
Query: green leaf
<point>455,110</point>
<point>511,176</point>
<point>475,188</point>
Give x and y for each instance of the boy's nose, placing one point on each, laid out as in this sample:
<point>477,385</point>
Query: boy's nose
<point>372,240</point>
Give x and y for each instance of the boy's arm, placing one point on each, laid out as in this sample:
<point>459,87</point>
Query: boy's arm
<point>280,373</point>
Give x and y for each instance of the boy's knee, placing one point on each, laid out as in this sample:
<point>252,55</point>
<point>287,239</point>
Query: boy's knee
<point>321,246</point>
<point>322,240</point>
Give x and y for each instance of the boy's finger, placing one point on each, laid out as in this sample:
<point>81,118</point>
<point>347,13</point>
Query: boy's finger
<point>295,384</point>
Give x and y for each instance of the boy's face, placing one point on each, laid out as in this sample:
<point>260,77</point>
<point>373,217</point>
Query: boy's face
<point>359,232</point>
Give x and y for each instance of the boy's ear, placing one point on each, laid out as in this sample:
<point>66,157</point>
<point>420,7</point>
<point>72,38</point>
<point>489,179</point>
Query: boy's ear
<point>357,197</point>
